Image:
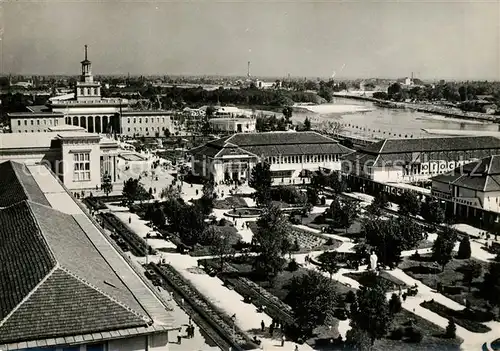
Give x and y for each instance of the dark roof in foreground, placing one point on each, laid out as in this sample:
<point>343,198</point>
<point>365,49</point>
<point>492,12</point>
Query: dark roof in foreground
<point>482,175</point>
<point>54,282</point>
<point>390,146</point>
<point>273,144</point>
<point>17,184</point>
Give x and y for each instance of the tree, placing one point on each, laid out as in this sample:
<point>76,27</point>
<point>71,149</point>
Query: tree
<point>471,270</point>
<point>172,193</point>
<point>271,237</point>
<point>451,329</point>
<point>490,288</point>
<point>329,263</point>
<point>395,304</point>
<point>370,312</point>
<point>307,124</point>
<point>107,185</point>
<point>133,190</point>
<point>166,132</point>
<point>358,340</point>
<point>221,247</point>
<point>312,298</point>
<point>378,204</point>
<point>442,249</point>
<point>432,212</point>
<point>343,213</point>
<point>464,250</point>
<point>287,112</point>
<point>312,196</point>
<point>158,217</point>
<point>260,180</point>
<point>409,204</point>
<point>207,200</point>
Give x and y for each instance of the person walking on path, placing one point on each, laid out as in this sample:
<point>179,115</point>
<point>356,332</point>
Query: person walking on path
<point>271,329</point>
<point>282,340</point>
<point>262,326</point>
<point>296,347</point>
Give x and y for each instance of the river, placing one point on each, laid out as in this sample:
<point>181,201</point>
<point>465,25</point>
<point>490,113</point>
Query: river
<point>384,122</point>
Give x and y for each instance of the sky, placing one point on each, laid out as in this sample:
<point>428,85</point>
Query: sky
<point>348,39</point>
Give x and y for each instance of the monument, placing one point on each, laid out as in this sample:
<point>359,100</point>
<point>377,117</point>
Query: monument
<point>373,261</point>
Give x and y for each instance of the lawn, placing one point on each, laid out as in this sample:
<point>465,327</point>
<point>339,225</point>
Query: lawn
<point>432,340</point>
<point>465,318</point>
<point>367,280</point>
<point>451,278</point>
<point>313,220</point>
<point>230,202</point>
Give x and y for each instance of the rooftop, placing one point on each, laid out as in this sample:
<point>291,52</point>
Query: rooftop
<point>59,277</point>
<point>273,143</point>
<point>482,175</point>
<point>40,140</point>
<point>393,146</point>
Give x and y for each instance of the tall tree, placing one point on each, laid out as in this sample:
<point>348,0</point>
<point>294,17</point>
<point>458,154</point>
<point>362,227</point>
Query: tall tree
<point>343,212</point>
<point>330,263</point>
<point>307,124</point>
<point>222,247</point>
<point>358,340</point>
<point>442,249</point>
<point>133,190</point>
<point>107,185</point>
<point>464,249</point>
<point>370,312</point>
<point>207,200</point>
<point>471,270</point>
<point>379,203</point>
<point>490,288</point>
<point>409,204</point>
<point>287,112</point>
<point>312,196</point>
<point>261,180</point>
<point>312,298</point>
<point>432,212</point>
<point>271,237</point>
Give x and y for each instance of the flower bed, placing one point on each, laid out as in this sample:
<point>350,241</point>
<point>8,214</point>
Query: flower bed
<point>138,244</point>
<point>94,204</point>
<point>217,319</point>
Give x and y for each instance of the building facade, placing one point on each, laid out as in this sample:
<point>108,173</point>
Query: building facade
<point>413,160</point>
<point>86,108</point>
<point>472,189</point>
<point>292,156</point>
<point>146,123</point>
<point>79,159</point>
<point>233,125</point>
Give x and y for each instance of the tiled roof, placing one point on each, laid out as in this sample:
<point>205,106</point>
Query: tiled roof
<point>62,306</point>
<point>17,184</point>
<point>54,282</point>
<point>278,138</point>
<point>482,175</point>
<point>274,143</point>
<point>389,146</point>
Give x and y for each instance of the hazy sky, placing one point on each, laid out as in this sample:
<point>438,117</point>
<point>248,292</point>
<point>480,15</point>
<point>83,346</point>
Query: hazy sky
<point>434,39</point>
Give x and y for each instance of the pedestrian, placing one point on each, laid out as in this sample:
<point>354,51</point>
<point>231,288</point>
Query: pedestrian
<point>129,219</point>
<point>282,341</point>
<point>296,347</point>
<point>190,321</point>
<point>271,329</point>
<point>179,339</point>
<point>262,326</point>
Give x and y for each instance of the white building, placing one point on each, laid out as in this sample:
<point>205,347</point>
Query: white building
<point>292,156</point>
<point>86,108</point>
<point>233,125</point>
<point>79,159</point>
<point>146,123</point>
<point>412,160</point>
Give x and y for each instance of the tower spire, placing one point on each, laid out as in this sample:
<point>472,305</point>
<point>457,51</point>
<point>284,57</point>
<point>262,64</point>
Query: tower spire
<point>85,51</point>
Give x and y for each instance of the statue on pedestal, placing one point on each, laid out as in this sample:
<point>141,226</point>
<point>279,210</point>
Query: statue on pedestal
<point>373,261</point>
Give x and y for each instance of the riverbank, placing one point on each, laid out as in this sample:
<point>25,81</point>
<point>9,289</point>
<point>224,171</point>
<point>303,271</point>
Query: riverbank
<point>331,108</point>
<point>425,108</point>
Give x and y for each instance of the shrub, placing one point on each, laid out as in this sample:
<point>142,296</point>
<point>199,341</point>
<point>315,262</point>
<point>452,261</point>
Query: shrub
<point>394,304</point>
<point>293,265</point>
<point>222,222</point>
<point>323,201</point>
<point>397,334</point>
<point>350,297</point>
<point>330,242</point>
<point>451,329</point>
<point>464,250</point>
<point>414,335</point>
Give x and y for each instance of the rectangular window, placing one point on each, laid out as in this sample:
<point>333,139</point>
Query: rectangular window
<point>37,122</point>
<point>44,122</point>
<point>81,170</point>
<point>25,122</point>
<point>146,120</point>
<point>134,120</point>
<point>56,122</point>
<point>18,122</point>
<point>158,119</point>
<point>128,129</point>
<point>128,120</point>
<point>140,120</point>
<point>31,122</point>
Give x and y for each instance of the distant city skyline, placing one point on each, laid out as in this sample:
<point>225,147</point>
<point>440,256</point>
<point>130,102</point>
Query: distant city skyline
<point>346,40</point>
